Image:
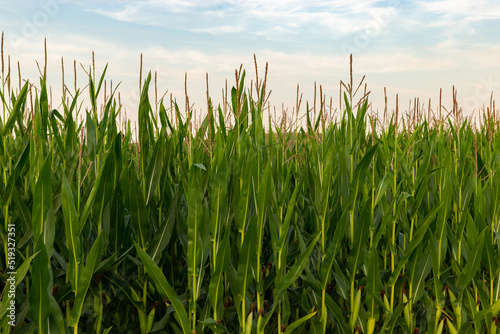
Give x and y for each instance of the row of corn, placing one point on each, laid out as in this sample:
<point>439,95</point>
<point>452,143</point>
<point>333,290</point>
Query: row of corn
<point>332,227</point>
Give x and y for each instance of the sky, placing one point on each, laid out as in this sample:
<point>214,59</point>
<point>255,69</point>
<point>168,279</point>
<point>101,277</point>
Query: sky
<point>412,48</point>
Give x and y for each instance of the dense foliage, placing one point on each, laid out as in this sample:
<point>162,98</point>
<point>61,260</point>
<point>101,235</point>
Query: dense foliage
<point>250,228</point>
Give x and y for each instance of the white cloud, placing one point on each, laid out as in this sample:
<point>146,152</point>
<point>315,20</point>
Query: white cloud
<point>223,29</point>
<point>127,14</point>
<point>471,10</point>
<point>340,17</point>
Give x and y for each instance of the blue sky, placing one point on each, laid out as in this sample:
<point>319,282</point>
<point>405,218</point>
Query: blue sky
<point>413,48</point>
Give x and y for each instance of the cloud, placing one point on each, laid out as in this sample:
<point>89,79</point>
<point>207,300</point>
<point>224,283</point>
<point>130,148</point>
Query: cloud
<point>268,19</point>
<point>470,10</point>
<point>222,29</point>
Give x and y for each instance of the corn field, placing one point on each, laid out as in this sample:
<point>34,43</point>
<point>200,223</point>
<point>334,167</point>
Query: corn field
<point>242,224</point>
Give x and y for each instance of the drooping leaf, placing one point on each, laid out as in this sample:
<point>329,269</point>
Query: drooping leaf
<point>165,289</point>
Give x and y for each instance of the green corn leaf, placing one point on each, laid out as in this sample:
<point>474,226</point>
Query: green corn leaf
<point>315,327</point>
<point>73,241</point>
<point>473,263</point>
<point>200,166</point>
<point>124,287</point>
<point>495,309</point>
<point>162,237</point>
<point>362,166</point>
<point>2,151</point>
<point>361,233</point>
<point>56,312</point>
<point>337,313</point>
<point>216,289</point>
<point>246,260</point>
<point>332,251</point>
<point>39,300</point>
<point>295,271</point>
<point>441,226</point>
<point>91,138</point>
<point>419,276</point>
<point>248,326</point>
<point>100,193</point>
<point>42,200</point>
<point>214,326</point>
<point>218,197</point>
<point>437,286</point>
<point>261,204</point>
<point>20,275</point>
<point>70,143</point>
<point>241,214</point>
<point>105,187</point>
<point>490,258</point>
<point>288,216</point>
<point>392,319</point>
<point>93,260</point>
<point>55,132</point>
<point>17,109</point>
<point>222,125</point>
<point>294,325</point>
<point>144,123</point>
<point>149,320</point>
<point>41,130</point>
<point>381,189</point>
<point>373,283</point>
<point>138,210</point>
<point>419,236</point>
<point>106,129</point>
<point>165,289</point>
<point>194,232</point>
<point>101,80</point>
<point>17,170</point>
<point>93,95</point>
<point>154,169</point>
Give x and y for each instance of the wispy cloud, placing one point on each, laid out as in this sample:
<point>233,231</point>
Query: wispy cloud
<point>340,17</point>
<point>222,29</point>
<point>470,10</point>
